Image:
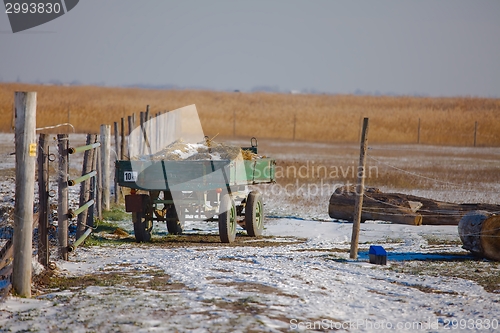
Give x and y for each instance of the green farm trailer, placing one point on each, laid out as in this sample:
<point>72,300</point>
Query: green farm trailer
<point>176,191</point>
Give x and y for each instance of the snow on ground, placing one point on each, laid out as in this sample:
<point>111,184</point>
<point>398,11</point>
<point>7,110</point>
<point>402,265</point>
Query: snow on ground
<point>297,278</point>
<point>273,288</point>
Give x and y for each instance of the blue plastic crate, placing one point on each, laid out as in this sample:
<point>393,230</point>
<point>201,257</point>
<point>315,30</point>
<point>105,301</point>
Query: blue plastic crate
<point>378,255</point>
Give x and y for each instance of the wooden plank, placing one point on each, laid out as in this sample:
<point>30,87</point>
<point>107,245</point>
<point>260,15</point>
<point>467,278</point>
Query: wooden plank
<point>93,186</point>
<point>6,261</point>
<point>25,142</point>
<point>85,187</point>
<point>6,254</point>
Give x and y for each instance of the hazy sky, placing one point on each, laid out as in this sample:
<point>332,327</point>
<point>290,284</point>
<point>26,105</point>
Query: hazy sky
<point>439,48</point>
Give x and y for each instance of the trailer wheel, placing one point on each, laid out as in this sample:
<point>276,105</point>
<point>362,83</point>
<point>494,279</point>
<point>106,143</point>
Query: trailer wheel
<point>227,219</point>
<point>174,226</point>
<point>142,227</point>
<point>143,220</point>
<point>254,214</point>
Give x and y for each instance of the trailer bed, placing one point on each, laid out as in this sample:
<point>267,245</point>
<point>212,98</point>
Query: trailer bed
<point>193,175</point>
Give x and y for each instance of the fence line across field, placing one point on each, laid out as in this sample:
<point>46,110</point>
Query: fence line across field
<point>56,126</point>
<point>95,178</point>
<point>415,174</point>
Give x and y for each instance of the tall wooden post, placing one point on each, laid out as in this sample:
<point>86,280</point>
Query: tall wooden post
<point>117,156</point>
<point>475,133</point>
<point>130,129</point>
<point>360,189</point>
<point>117,140</point>
<point>141,142</point>
<point>93,187</point>
<point>122,139</point>
<point>98,183</point>
<point>62,201</point>
<point>25,137</point>
<point>144,132</point>
<point>43,200</point>
<point>157,138</point>
<point>418,134</point>
<point>105,165</point>
<point>234,123</point>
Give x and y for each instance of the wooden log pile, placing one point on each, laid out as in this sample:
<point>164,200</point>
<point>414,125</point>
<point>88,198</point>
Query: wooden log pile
<point>401,208</point>
<point>480,234</point>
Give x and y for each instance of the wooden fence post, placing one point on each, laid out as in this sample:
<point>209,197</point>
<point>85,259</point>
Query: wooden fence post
<point>98,187</point>
<point>141,148</point>
<point>130,129</point>
<point>62,202</point>
<point>105,165</point>
<point>157,138</point>
<point>360,189</point>
<point>117,157</point>
<point>85,187</point>
<point>475,133</point>
<point>418,133</point>
<point>43,200</point>
<point>234,123</point>
<point>93,187</point>
<point>25,142</point>
<point>144,132</point>
<point>122,139</point>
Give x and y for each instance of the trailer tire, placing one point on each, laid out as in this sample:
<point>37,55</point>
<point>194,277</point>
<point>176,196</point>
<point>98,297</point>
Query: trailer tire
<point>143,220</point>
<point>227,219</point>
<point>174,227</point>
<point>142,227</point>
<point>254,214</point>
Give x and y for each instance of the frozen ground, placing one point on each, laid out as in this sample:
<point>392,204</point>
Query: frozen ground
<point>265,288</point>
<point>262,288</point>
<point>297,278</point>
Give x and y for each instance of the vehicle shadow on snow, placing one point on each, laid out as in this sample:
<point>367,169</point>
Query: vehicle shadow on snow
<point>111,237</point>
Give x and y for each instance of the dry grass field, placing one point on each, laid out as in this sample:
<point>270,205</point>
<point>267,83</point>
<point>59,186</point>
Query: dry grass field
<point>324,118</point>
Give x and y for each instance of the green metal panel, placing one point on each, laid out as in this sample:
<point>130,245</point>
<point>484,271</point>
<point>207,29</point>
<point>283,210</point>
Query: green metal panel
<point>193,175</point>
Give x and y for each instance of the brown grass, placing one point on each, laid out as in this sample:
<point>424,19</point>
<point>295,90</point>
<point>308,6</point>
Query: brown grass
<point>329,118</point>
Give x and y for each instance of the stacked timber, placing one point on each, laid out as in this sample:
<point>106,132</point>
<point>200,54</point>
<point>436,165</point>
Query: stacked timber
<point>400,208</point>
<point>390,207</point>
<point>480,234</point>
